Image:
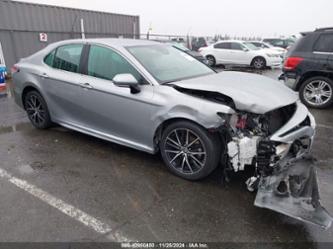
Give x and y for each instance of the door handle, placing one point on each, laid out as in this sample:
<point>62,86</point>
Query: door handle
<point>86,86</point>
<point>44,75</point>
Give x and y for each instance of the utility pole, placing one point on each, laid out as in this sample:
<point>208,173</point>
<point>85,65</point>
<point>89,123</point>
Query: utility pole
<point>83,36</point>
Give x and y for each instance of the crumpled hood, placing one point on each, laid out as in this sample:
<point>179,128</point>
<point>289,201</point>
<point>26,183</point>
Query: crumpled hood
<point>250,92</point>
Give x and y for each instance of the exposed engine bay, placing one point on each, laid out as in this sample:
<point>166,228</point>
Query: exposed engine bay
<point>285,180</point>
<point>274,142</point>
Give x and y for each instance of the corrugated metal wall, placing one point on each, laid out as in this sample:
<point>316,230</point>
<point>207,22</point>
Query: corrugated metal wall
<point>21,23</point>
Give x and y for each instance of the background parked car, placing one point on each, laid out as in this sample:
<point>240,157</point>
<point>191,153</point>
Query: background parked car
<point>240,53</point>
<point>279,42</point>
<point>264,45</point>
<point>309,68</point>
<point>179,40</point>
<point>198,42</point>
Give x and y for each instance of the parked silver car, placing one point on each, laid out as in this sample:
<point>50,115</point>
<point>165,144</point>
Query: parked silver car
<point>154,97</point>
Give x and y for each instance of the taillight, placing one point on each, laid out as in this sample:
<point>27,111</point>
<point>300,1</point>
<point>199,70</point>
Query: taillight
<point>14,69</point>
<point>292,62</point>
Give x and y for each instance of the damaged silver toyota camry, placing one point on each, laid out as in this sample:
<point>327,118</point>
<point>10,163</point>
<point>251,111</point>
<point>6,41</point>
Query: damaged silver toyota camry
<point>156,98</point>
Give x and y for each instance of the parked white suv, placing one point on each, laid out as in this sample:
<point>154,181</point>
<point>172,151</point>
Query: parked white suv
<point>240,53</point>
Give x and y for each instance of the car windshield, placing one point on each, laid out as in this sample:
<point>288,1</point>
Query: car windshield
<point>250,46</point>
<point>168,64</point>
<point>267,45</point>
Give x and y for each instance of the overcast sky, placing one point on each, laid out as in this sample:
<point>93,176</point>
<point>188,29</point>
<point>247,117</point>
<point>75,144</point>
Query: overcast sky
<point>209,17</point>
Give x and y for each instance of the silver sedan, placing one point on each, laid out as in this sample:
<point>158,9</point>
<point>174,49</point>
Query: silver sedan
<point>156,98</point>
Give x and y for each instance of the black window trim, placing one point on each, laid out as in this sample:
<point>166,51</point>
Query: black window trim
<point>55,52</point>
<point>86,58</point>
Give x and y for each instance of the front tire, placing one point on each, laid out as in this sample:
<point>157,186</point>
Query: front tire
<point>259,63</point>
<point>37,110</point>
<point>317,92</point>
<point>190,151</point>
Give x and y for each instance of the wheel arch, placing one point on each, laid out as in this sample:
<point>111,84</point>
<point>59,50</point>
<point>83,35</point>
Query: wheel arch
<point>162,126</point>
<point>312,74</point>
<point>210,56</point>
<point>258,56</point>
<point>28,88</point>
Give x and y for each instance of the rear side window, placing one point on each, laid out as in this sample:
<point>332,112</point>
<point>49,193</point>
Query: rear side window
<point>50,58</point>
<point>324,43</point>
<point>104,63</point>
<point>223,45</point>
<point>68,58</point>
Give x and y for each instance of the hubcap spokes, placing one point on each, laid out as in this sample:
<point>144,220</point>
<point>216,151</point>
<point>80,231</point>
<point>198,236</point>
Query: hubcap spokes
<point>35,110</point>
<point>185,151</point>
<point>258,63</point>
<point>318,92</point>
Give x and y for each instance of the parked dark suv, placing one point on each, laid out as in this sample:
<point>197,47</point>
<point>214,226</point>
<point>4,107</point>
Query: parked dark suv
<point>309,68</point>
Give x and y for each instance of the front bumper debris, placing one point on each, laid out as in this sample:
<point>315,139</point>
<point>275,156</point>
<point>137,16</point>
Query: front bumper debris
<point>293,191</point>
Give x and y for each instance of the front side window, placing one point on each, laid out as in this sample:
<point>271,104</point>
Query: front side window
<point>324,43</point>
<point>236,46</point>
<point>168,64</point>
<point>68,57</point>
<point>104,63</point>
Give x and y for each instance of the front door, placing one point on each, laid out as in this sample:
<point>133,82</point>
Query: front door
<point>111,110</point>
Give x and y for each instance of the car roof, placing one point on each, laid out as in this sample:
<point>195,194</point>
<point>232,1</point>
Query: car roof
<point>113,42</point>
<point>238,41</point>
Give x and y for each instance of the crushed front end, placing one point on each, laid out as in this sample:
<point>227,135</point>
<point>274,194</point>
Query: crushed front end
<point>277,145</point>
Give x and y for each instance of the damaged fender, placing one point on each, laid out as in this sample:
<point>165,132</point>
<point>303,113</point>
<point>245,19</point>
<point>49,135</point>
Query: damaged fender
<point>294,192</point>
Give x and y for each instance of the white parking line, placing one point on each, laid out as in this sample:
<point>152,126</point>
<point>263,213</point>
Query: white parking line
<point>69,210</point>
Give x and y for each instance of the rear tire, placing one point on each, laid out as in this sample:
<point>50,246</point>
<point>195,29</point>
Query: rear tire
<point>259,63</point>
<point>317,92</point>
<point>37,111</point>
<point>211,61</point>
<point>189,151</point>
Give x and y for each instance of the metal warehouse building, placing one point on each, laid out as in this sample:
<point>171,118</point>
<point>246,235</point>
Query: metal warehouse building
<point>26,28</point>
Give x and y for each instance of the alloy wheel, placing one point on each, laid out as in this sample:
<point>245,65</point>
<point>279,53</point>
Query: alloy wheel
<point>35,110</point>
<point>185,151</point>
<point>211,61</point>
<point>317,92</point>
<point>259,63</point>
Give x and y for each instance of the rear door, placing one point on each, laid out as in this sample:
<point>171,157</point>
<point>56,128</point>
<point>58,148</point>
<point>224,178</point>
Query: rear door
<point>238,54</point>
<point>222,52</point>
<point>61,83</point>
<point>323,51</point>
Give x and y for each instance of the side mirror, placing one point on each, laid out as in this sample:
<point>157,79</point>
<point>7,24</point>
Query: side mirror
<point>127,80</point>
<point>246,50</point>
